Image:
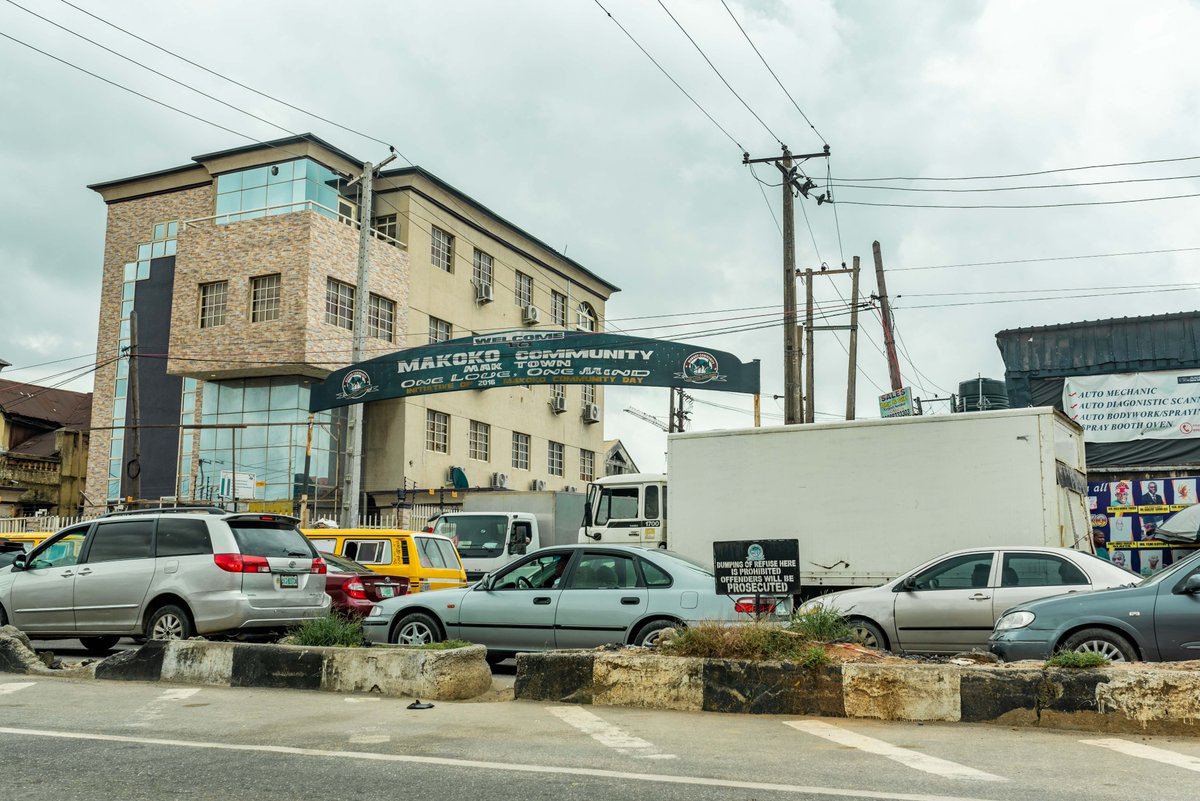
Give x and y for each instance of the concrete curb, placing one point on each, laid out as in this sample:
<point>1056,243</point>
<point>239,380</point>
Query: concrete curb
<point>451,675</point>
<point>1142,700</point>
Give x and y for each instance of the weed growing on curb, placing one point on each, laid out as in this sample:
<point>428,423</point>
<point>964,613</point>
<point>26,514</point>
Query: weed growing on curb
<point>820,623</point>
<point>813,658</point>
<point>1075,659</point>
<point>446,645</point>
<point>330,630</point>
<point>715,640</point>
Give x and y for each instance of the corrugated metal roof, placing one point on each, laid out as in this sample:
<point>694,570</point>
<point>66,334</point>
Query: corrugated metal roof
<point>1118,345</point>
<point>61,407</point>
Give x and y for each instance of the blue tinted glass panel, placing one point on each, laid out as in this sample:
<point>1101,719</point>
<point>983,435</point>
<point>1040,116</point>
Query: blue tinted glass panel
<point>226,204</point>
<point>254,177</point>
<point>280,173</point>
<point>252,437</point>
<point>160,231</point>
<point>127,289</point>
<point>122,369</point>
<point>172,229</point>
<point>279,194</point>
<point>299,189</point>
<point>124,329</point>
<point>312,171</point>
<point>285,395</point>
<point>131,271</point>
<point>143,252</point>
<point>185,488</point>
<point>170,250</point>
<point>210,396</point>
<point>143,271</point>
<point>114,468</point>
<point>118,435</point>
<point>257,398</point>
<point>254,198</point>
<point>126,308</point>
<point>159,249</point>
<point>121,387</point>
<point>328,198</point>
<point>208,439</point>
<point>229,398</point>
<point>279,435</point>
<point>189,403</point>
<point>114,489</point>
<point>230,182</point>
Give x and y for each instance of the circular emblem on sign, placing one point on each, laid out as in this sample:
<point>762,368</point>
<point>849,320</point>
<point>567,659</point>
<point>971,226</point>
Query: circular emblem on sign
<point>754,553</point>
<point>356,383</point>
<point>1187,428</point>
<point>700,367</point>
<point>1099,521</point>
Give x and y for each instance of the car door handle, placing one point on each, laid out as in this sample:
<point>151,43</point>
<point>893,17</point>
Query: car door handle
<point>631,601</point>
<point>979,596</point>
<point>84,572</point>
<point>541,600</point>
<point>68,574</point>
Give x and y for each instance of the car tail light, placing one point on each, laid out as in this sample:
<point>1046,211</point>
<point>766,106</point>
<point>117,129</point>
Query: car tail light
<point>238,563</point>
<point>319,566</point>
<point>355,589</point>
<point>748,606</point>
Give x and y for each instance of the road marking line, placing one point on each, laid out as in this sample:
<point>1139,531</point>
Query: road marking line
<point>151,712</point>
<point>1148,752</point>
<point>370,739</point>
<point>368,756</point>
<point>607,734</point>
<point>12,687</point>
<point>360,700</point>
<point>912,759</point>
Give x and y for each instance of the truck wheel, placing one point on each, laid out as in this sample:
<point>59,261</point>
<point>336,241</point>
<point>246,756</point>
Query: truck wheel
<point>647,636</point>
<point>416,628</point>
<point>867,634</point>
<point>98,645</point>
<point>1101,641</point>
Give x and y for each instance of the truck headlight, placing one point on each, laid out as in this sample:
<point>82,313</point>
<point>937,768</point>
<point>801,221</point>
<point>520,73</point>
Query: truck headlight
<point>1014,620</point>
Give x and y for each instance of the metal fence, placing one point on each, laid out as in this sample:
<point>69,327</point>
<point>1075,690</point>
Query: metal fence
<point>22,525</point>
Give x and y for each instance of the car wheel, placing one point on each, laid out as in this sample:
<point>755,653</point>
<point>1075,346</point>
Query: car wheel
<point>169,622</point>
<point>1107,643</point>
<point>867,634</point>
<point>416,629</point>
<point>98,645</point>
<point>649,634</point>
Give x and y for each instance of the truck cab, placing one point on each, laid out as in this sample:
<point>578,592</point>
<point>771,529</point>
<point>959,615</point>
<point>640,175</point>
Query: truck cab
<point>629,509</point>
<point>487,540</point>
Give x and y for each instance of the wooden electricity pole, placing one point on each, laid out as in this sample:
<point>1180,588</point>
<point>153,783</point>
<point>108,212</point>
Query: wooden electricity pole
<point>885,313</point>
<point>809,381</point>
<point>852,351</point>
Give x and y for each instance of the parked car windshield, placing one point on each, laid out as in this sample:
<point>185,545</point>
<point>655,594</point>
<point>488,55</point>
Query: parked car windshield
<point>690,564</point>
<point>340,564</point>
<point>479,536</point>
<point>1173,570</point>
<point>270,539</point>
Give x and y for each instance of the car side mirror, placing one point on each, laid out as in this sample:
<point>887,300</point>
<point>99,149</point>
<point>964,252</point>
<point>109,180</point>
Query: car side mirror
<point>20,562</point>
<point>1190,587</point>
<point>908,585</point>
<point>485,583</point>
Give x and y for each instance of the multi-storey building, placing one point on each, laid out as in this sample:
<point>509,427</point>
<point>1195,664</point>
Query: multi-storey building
<point>232,280</point>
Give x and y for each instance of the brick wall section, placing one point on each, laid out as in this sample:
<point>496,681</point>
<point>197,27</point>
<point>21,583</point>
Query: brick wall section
<point>130,223</point>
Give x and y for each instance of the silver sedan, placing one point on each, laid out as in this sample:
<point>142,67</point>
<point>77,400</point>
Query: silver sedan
<point>570,596</point>
<point>951,603</point>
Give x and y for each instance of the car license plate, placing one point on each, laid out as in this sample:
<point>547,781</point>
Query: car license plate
<point>289,581</point>
<point>387,591</point>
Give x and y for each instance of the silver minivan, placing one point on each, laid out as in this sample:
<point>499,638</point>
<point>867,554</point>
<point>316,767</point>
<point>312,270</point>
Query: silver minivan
<point>165,575</point>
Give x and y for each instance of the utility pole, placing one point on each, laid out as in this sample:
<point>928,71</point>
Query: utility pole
<point>350,499</point>
<point>809,381</point>
<point>307,469</point>
<point>133,442</point>
<point>793,401</point>
<point>886,314</point>
<point>852,351</point>
<point>671,415</point>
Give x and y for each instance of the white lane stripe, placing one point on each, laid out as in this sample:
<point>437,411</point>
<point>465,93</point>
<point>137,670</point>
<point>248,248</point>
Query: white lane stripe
<point>178,695</point>
<point>152,711</point>
<point>912,759</point>
<point>651,778</point>
<point>607,734</point>
<point>1148,752</point>
<point>12,687</point>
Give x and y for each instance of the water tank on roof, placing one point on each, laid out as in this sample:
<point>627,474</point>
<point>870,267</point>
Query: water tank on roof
<point>981,394</point>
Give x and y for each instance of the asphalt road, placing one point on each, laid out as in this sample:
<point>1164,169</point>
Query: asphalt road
<point>65,739</point>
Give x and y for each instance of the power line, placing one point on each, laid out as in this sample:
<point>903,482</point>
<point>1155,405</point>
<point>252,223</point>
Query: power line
<point>1015,206</point>
<point>869,187</point>
<point>671,79</point>
<point>718,72</point>
<point>1049,258</point>
<point>1026,174</point>
<point>1079,296</point>
<point>1121,287</point>
<point>773,75</point>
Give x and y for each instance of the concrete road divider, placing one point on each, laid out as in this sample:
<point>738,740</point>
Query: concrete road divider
<point>1142,698</point>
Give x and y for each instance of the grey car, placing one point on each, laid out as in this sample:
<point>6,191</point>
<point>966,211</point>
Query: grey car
<point>951,603</point>
<point>1156,620</point>
<point>165,575</point>
<point>571,596</point>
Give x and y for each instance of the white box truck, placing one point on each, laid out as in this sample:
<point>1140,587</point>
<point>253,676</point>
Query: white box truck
<point>494,527</point>
<point>867,499</point>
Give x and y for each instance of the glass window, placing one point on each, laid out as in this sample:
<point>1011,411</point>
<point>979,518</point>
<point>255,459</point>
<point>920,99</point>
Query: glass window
<point>271,540</point>
<point>478,536</point>
<point>585,317</point>
<point>213,298</point>
<point>558,391</point>
<point>442,251</point>
<point>431,555</point>
<point>479,442</point>
<point>523,290</point>
<point>62,552</point>
<point>651,501</point>
<point>520,450</point>
<point>229,182</point>
<point>264,298</point>
<point>558,309</point>
<point>654,575</point>
<point>554,459</point>
<point>448,554</point>
<point>381,317</point>
<point>255,398</point>
<point>604,572</point>
<point>339,304</point>
<point>617,503</point>
<point>482,275</point>
<point>255,176</point>
<point>1039,570</point>
<point>966,572</point>
<point>437,431</point>
<point>281,173</point>
<point>182,537</point>
<point>587,394</point>
<point>538,573</point>
<point>439,330</point>
<point>387,228</point>
<point>366,552</point>
<point>587,465</point>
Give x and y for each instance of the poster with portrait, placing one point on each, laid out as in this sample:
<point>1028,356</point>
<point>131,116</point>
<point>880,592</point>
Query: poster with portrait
<point>1150,561</point>
<point>1184,491</point>
<point>1128,514</point>
<point>1120,493</point>
<point>1121,529</point>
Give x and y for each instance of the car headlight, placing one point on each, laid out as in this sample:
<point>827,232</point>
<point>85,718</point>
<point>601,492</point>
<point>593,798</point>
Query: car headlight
<point>375,612</point>
<point>1014,620</point>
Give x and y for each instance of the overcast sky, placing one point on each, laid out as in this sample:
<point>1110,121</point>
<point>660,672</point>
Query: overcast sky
<point>547,113</point>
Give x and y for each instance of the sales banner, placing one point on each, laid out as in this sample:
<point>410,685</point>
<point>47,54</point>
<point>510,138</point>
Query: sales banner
<point>757,567</point>
<point>1144,526</point>
<point>897,403</point>
<point>523,358</point>
<point>1127,406</point>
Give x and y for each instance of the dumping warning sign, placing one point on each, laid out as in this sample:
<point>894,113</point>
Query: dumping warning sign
<point>757,567</point>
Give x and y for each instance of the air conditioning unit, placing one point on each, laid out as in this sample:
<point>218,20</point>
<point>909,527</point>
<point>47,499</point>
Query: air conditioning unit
<point>538,485</point>
<point>558,404</point>
<point>500,480</point>
<point>530,315</point>
<point>450,475</point>
<point>591,413</point>
<point>571,489</point>
<point>483,293</point>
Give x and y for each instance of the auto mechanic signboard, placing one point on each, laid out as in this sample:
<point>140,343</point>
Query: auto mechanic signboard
<point>1129,406</point>
<point>757,567</point>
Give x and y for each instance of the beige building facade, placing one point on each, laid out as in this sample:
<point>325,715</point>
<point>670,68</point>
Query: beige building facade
<point>229,287</point>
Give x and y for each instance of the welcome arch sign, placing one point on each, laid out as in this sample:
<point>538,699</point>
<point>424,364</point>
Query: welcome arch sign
<point>523,358</point>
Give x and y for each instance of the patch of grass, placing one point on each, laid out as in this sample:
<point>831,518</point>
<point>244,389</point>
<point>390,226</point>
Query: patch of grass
<point>821,624</point>
<point>715,640</point>
<point>327,631</point>
<point>1075,659</point>
<point>446,645</point>
<point>814,657</point>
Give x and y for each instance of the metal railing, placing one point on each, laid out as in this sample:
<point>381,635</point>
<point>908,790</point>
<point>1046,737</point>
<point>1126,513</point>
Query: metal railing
<point>23,525</point>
